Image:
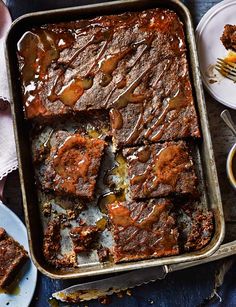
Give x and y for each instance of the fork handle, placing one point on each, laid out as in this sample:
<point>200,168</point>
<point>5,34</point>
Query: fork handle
<point>225,115</point>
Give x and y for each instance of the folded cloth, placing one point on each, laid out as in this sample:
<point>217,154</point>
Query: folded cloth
<point>8,160</point>
<point>4,90</point>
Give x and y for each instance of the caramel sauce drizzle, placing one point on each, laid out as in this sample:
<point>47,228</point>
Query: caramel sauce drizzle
<point>116,118</point>
<point>109,64</point>
<point>39,49</point>
<point>72,162</point>
<point>109,198</point>
<point>71,92</point>
<point>102,224</point>
<point>175,103</point>
<point>164,169</point>
<point>121,216</point>
<point>143,154</point>
<point>42,47</point>
<point>120,171</point>
<point>128,96</point>
<point>133,136</point>
<point>45,48</point>
<point>165,237</point>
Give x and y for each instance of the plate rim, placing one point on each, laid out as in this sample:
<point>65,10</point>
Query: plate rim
<point>200,27</point>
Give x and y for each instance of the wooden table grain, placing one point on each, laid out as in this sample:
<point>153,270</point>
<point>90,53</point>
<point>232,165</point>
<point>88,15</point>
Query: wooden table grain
<point>186,288</point>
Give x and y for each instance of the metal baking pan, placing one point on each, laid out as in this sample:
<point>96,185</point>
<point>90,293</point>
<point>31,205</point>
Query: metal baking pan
<point>21,128</point>
<point>227,249</point>
<point>223,141</point>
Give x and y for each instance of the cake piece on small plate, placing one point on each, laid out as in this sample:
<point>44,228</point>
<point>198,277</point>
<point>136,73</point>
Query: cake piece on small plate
<point>12,258</point>
<point>228,37</point>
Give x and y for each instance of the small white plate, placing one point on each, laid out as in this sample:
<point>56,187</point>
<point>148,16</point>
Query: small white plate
<point>15,228</point>
<point>208,33</point>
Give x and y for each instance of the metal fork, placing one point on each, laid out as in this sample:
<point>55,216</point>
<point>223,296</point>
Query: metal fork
<point>227,69</point>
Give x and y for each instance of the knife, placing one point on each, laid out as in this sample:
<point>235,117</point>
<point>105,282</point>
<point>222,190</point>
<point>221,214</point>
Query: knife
<point>108,286</point>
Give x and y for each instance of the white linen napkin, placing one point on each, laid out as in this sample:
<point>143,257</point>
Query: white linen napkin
<point>4,90</point>
<point>8,160</point>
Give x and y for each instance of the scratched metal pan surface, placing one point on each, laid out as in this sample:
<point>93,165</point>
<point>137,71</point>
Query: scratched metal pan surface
<point>205,155</point>
<point>228,248</point>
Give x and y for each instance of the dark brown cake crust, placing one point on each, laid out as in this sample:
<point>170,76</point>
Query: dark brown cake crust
<point>12,258</point>
<point>133,64</point>
<point>143,230</point>
<point>228,37</point>
<point>160,169</point>
<point>72,165</point>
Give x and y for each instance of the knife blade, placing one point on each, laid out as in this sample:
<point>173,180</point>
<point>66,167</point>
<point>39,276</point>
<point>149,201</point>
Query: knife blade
<point>108,286</point>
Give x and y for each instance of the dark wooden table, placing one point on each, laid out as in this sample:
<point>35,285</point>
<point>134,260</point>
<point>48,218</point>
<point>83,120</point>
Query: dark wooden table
<point>191,287</point>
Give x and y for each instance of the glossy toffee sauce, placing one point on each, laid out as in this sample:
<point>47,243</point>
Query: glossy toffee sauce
<point>164,167</point>
<point>73,160</point>
<point>119,195</point>
<point>40,49</point>
<point>121,216</point>
<point>122,219</point>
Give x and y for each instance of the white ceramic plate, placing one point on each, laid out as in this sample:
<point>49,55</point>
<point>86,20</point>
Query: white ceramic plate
<point>27,283</point>
<point>210,48</point>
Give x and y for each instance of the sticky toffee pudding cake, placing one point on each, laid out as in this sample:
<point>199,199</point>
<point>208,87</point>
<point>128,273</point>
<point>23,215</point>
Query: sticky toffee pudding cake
<point>12,258</point>
<point>129,74</point>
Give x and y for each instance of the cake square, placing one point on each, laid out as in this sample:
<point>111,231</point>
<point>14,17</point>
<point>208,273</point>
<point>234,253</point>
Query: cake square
<point>167,111</point>
<point>12,258</point>
<point>143,230</point>
<point>86,64</point>
<point>133,64</point>
<point>72,166</point>
<point>160,170</point>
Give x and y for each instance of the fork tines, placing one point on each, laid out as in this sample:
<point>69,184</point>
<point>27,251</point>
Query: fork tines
<point>227,69</point>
